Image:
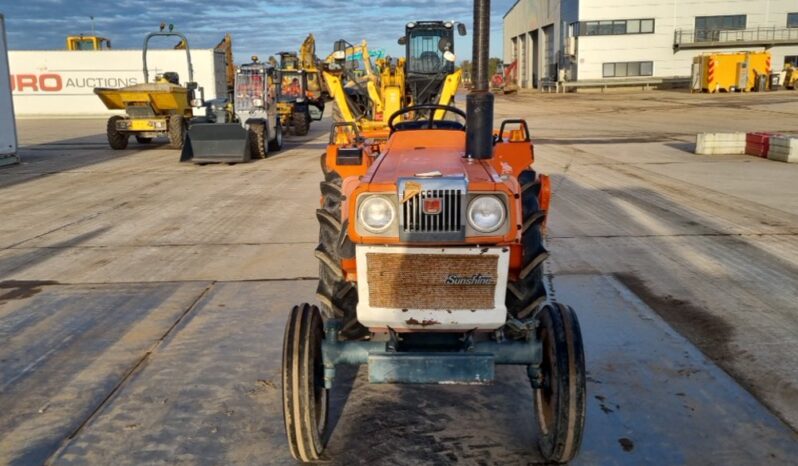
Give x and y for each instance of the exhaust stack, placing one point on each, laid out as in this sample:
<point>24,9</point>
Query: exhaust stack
<point>479,102</point>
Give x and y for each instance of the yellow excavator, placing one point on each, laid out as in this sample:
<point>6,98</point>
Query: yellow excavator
<point>426,75</point>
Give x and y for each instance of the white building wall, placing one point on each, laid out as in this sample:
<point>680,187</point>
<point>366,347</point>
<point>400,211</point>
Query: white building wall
<point>61,82</point>
<point>527,20</point>
<point>530,16</point>
<point>670,15</point>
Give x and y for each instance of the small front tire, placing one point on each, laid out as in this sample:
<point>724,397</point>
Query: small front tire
<point>116,139</point>
<point>257,141</point>
<point>277,143</point>
<point>301,123</point>
<point>176,126</point>
<point>560,401</point>
<point>305,400</point>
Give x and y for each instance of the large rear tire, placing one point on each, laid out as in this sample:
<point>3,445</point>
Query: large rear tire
<point>116,140</point>
<point>276,144</point>
<point>301,123</point>
<point>177,131</point>
<point>560,402</point>
<point>337,295</point>
<point>305,400</point>
<point>257,141</point>
<point>526,294</point>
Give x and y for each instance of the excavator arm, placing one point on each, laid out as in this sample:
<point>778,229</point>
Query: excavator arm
<point>448,91</point>
<point>336,88</point>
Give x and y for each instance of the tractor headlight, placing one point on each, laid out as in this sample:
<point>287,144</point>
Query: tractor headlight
<point>376,213</point>
<point>486,213</point>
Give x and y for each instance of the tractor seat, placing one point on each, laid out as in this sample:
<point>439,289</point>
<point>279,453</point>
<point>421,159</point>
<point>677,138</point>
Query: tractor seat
<point>429,62</point>
<point>172,77</point>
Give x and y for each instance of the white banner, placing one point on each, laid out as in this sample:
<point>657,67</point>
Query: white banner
<point>62,82</point>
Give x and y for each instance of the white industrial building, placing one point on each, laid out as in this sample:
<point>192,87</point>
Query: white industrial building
<point>616,41</point>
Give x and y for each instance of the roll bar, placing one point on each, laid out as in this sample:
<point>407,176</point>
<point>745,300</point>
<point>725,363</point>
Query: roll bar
<point>147,46</point>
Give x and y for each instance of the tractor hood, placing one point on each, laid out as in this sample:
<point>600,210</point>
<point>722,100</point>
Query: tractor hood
<point>410,153</point>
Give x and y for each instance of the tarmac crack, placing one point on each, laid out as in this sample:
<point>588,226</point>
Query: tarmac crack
<point>67,225</point>
<point>125,377</point>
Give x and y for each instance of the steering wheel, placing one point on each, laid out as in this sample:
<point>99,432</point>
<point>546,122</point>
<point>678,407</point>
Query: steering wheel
<point>431,119</point>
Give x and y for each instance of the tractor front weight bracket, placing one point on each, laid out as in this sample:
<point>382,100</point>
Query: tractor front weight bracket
<point>473,364</point>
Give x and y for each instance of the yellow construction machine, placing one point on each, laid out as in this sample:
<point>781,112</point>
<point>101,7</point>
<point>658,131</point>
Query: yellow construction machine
<point>427,75</point>
<point>790,77</point>
<point>161,107</point>
<point>87,42</point>
<point>300,98</point>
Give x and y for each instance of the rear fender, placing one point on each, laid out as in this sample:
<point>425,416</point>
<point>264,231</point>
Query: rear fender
<point>513,150</point>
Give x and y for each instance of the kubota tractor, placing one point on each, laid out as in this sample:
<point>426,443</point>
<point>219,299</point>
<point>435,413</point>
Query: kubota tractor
<point>431,269</point>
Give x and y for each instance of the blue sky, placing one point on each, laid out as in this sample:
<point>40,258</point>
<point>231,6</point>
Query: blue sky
<point>258,27</point>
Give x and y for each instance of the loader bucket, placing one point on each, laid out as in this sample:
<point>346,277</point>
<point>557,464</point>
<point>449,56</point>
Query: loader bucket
<point>216,143</point>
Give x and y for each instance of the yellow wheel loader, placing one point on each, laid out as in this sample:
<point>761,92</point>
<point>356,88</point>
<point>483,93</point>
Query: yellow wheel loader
<point>296,103</point>
<point>152,109</point>
<point>246,128</point>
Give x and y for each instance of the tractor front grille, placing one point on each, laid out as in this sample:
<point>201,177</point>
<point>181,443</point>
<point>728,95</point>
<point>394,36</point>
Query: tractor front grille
<point>448,220</point>
<point>445,223</point>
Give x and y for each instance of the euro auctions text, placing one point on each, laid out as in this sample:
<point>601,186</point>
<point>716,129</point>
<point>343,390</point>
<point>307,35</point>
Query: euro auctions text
<point>55,82</point>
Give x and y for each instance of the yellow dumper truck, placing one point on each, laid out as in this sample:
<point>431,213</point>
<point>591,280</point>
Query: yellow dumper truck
<point>161,107</point>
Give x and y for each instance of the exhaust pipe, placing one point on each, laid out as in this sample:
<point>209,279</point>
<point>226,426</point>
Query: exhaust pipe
<point>479,102</point>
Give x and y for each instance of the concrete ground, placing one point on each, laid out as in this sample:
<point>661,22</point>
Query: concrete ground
<point>142,301</point>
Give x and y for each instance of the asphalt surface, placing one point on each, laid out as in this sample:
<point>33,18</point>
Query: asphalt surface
<point>142,301</point>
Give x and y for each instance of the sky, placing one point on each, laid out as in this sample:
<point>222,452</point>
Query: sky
<point>258,27</point>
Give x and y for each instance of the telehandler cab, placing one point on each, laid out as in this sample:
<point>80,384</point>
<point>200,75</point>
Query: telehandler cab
<point>431,269</point>
<point>429,58</point>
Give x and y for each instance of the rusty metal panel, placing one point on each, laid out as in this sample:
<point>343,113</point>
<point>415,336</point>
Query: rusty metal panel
<point>426,281</point>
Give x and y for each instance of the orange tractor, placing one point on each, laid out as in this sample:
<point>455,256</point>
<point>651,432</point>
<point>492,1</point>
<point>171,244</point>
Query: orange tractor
<point>431,269</point>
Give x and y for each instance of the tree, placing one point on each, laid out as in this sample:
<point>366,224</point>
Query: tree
<point>493,64</point>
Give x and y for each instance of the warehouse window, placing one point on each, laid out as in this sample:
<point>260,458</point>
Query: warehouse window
<point>615,27</point>
<point>791,60</point>
<point>707,27</point>
<point>720,23</point>
<point>628,69</point>
<point>792,20</point>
